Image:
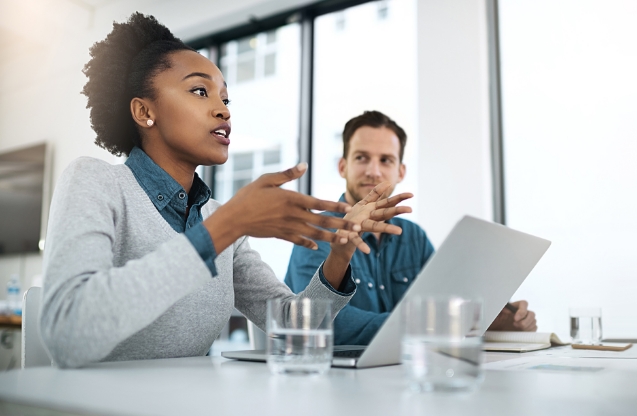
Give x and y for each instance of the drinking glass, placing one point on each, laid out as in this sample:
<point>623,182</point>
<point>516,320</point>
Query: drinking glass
<point>299,336</point>
<point>586,325</point>
<point>442,343</point>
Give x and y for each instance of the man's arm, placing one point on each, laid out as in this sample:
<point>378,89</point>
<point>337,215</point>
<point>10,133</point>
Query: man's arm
<point>303,265</point>
<point>521,320</point>
<point>352,326</point>
<point>355,326</point>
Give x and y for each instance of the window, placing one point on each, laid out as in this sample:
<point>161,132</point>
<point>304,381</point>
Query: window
<point>369,66</point>
<point>265,76</point>
<point>243,168</point>
<point>250,58</point>
<point>569,97</point>
<point>265,97</point>
<point>383,9</point>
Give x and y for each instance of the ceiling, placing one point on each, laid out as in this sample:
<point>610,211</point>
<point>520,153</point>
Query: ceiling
<point>27,25</point>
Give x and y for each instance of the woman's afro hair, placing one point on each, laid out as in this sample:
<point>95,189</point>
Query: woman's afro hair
<point>122,67</point>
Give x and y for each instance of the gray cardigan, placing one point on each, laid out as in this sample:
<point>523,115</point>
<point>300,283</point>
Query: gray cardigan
<point>121,284</point>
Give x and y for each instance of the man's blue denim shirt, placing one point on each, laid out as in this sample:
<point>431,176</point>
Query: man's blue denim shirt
<point>382,276</point>
<point>171,200</point>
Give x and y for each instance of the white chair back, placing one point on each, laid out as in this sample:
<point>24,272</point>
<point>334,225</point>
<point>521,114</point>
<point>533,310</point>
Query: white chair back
<point>34,353</point>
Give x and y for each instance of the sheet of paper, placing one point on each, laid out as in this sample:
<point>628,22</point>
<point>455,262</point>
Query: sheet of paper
<point>561,364</point>
<point>567,351</point>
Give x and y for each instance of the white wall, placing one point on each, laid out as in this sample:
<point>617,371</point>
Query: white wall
<point>570,123</point>
<point>43,48</point>
<point>44,45</point>
<point>455,167</point>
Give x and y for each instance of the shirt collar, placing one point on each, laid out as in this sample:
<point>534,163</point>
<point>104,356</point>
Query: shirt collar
<point>343,199</point>
<point>200,193</point>
<point>158,184</point>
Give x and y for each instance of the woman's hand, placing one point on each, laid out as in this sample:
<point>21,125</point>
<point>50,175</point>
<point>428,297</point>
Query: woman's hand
<point>263,209</point>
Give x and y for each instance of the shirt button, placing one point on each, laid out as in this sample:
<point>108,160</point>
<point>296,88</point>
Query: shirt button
<point>357,281</point>
<point>377,254</point>
<point>160,197</point>
<point>405,279</point>
<point>182,195</point>
<point>382,287</point>
<point>371,285</point>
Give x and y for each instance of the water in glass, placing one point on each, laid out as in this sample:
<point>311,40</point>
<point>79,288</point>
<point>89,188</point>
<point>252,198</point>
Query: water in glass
<point>300,351</point>
<point>442,365</point>
<point>586,329</point>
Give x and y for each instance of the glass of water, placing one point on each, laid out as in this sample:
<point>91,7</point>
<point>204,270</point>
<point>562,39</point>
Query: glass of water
<point>299,336</point>
<point>586,325</point>
<point>442,343</point>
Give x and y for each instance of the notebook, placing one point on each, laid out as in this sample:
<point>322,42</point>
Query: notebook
<point>520,341</point>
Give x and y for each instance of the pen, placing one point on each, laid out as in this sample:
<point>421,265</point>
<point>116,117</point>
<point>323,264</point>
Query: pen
<point>511,308</point>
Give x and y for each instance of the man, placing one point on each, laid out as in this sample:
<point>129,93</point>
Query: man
<point>373,147</point>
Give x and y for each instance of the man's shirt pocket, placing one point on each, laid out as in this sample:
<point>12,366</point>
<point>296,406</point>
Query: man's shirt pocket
<point>401,279</point>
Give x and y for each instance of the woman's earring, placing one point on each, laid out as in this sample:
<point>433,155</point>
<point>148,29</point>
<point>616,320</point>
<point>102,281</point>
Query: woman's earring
<point>149,123</point>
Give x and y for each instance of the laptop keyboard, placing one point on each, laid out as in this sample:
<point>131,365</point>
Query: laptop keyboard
<point>348,353</point>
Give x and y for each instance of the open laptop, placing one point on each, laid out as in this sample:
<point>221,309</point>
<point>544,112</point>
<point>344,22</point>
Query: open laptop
<point>478,259</point>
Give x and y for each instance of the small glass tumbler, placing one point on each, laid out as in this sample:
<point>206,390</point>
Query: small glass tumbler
<point>299,336</point>
<point>586,325</point>
<point>442,344</point>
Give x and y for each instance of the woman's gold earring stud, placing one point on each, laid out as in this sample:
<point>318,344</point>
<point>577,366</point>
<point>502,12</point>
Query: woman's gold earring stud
<point>149,123</point>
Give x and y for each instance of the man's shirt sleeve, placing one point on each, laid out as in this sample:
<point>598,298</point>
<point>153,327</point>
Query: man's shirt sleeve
<point>303,265</point>
<point>347,287</point>
<point>355,326</point>
<point>428,248</point>
<point>352,326</point>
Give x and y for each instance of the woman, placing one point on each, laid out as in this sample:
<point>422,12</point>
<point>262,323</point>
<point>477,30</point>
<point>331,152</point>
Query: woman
<point>139,262</point>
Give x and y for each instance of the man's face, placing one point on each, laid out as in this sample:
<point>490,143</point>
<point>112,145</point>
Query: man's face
<point>373,157</point>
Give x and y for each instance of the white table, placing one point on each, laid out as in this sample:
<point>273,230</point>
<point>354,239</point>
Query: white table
<point>215,386</point>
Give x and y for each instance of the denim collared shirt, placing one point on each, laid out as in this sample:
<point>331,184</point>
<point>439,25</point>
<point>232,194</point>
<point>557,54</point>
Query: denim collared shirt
<point>171,200</point>
<point>382,276</point>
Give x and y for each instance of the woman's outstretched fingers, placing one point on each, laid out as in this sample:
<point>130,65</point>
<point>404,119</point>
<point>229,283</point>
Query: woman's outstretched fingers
<point>301,241</point>
<point>309,202</point>
<point>315,233</point>
<point>357,241</point>
<point>380,227</point>
<point>387,213</point>
<point>279,178</point>
<point>325,221</point>
<point>303,234</point>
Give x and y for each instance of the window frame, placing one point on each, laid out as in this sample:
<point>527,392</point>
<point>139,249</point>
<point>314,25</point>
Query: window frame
<point>495,113</point>
<point>305,16</point>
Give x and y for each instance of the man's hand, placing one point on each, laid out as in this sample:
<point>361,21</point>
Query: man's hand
<point>522,320</point>
<point>371,213</point>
